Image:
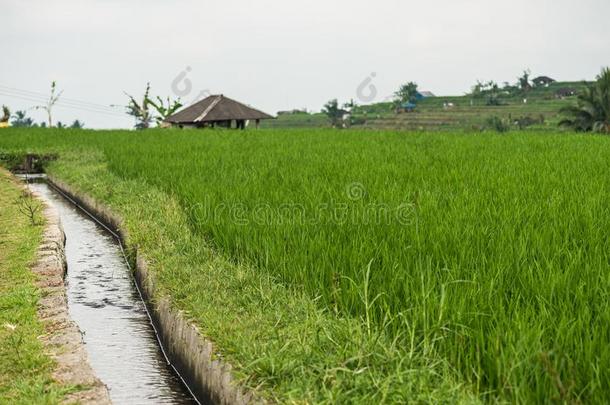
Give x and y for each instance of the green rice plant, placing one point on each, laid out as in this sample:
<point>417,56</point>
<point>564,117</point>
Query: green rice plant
<point>488,252</point>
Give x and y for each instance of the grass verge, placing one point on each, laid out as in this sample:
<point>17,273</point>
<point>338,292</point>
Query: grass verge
<point>25,369</point>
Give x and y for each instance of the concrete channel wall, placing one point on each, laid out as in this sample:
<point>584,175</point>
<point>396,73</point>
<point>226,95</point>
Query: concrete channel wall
<point>191,354</point>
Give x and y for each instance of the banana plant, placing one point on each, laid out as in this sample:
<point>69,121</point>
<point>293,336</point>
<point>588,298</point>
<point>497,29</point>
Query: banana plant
<point>140,111</point>
<point>163,109</point>
<point>6,114</point>
<point>48,107</point>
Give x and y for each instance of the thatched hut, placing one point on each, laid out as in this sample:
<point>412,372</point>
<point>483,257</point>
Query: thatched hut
<point>216,111</point>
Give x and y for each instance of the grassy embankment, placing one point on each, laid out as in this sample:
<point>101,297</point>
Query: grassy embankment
<point>371,266</point>
<point>467,114</point>
<point>25,370</point>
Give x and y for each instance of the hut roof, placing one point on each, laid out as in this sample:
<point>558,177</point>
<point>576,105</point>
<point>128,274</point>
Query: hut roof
<point>426,94</point>
<point>216,108</point>
<point>543,80</point>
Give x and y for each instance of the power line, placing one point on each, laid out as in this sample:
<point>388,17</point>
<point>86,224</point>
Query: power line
<point>63,104</point>
<point>115,114</point>
<point>44,100</point>
<point>63,99</point>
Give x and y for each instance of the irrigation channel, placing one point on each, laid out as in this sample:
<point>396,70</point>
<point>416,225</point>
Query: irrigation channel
<point>104,301</point>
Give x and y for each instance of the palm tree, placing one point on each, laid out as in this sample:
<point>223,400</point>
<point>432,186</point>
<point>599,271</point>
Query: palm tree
<point>592,111</point>
<point>21,120</point>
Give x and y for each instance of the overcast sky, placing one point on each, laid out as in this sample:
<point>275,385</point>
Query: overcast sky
<point>278,55</point>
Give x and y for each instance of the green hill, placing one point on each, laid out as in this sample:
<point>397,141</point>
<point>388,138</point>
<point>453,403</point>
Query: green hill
<point>538,107</point>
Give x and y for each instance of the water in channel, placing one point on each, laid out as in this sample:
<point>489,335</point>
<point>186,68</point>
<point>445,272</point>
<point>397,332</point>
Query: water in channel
<point>105,304</point>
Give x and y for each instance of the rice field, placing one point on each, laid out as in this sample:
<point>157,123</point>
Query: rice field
<point>489,251</point>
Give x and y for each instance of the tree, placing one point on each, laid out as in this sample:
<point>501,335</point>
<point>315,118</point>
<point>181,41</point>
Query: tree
<point>477,90</point>
<point>6,114</point>
<point>48,107</point>
<point>332,111</point>
<point>524,81</point>
<point>29,206</point>
<point>164,110</point>
<point>493,93</point>
<point>407,93</point>
<point>21,120</point>
<point>140,111</point>
<point>350,104</point>
<point>592,109</point>
<point>509,89</point>
<point>77,124</point>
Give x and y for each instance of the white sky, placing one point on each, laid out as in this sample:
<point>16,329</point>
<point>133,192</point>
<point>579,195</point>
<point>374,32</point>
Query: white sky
<point>277,55</point>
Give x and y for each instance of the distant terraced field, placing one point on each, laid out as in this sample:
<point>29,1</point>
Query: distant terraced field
<point>467,113</point>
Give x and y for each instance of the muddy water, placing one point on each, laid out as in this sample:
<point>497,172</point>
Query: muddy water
<point>103,301</point>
